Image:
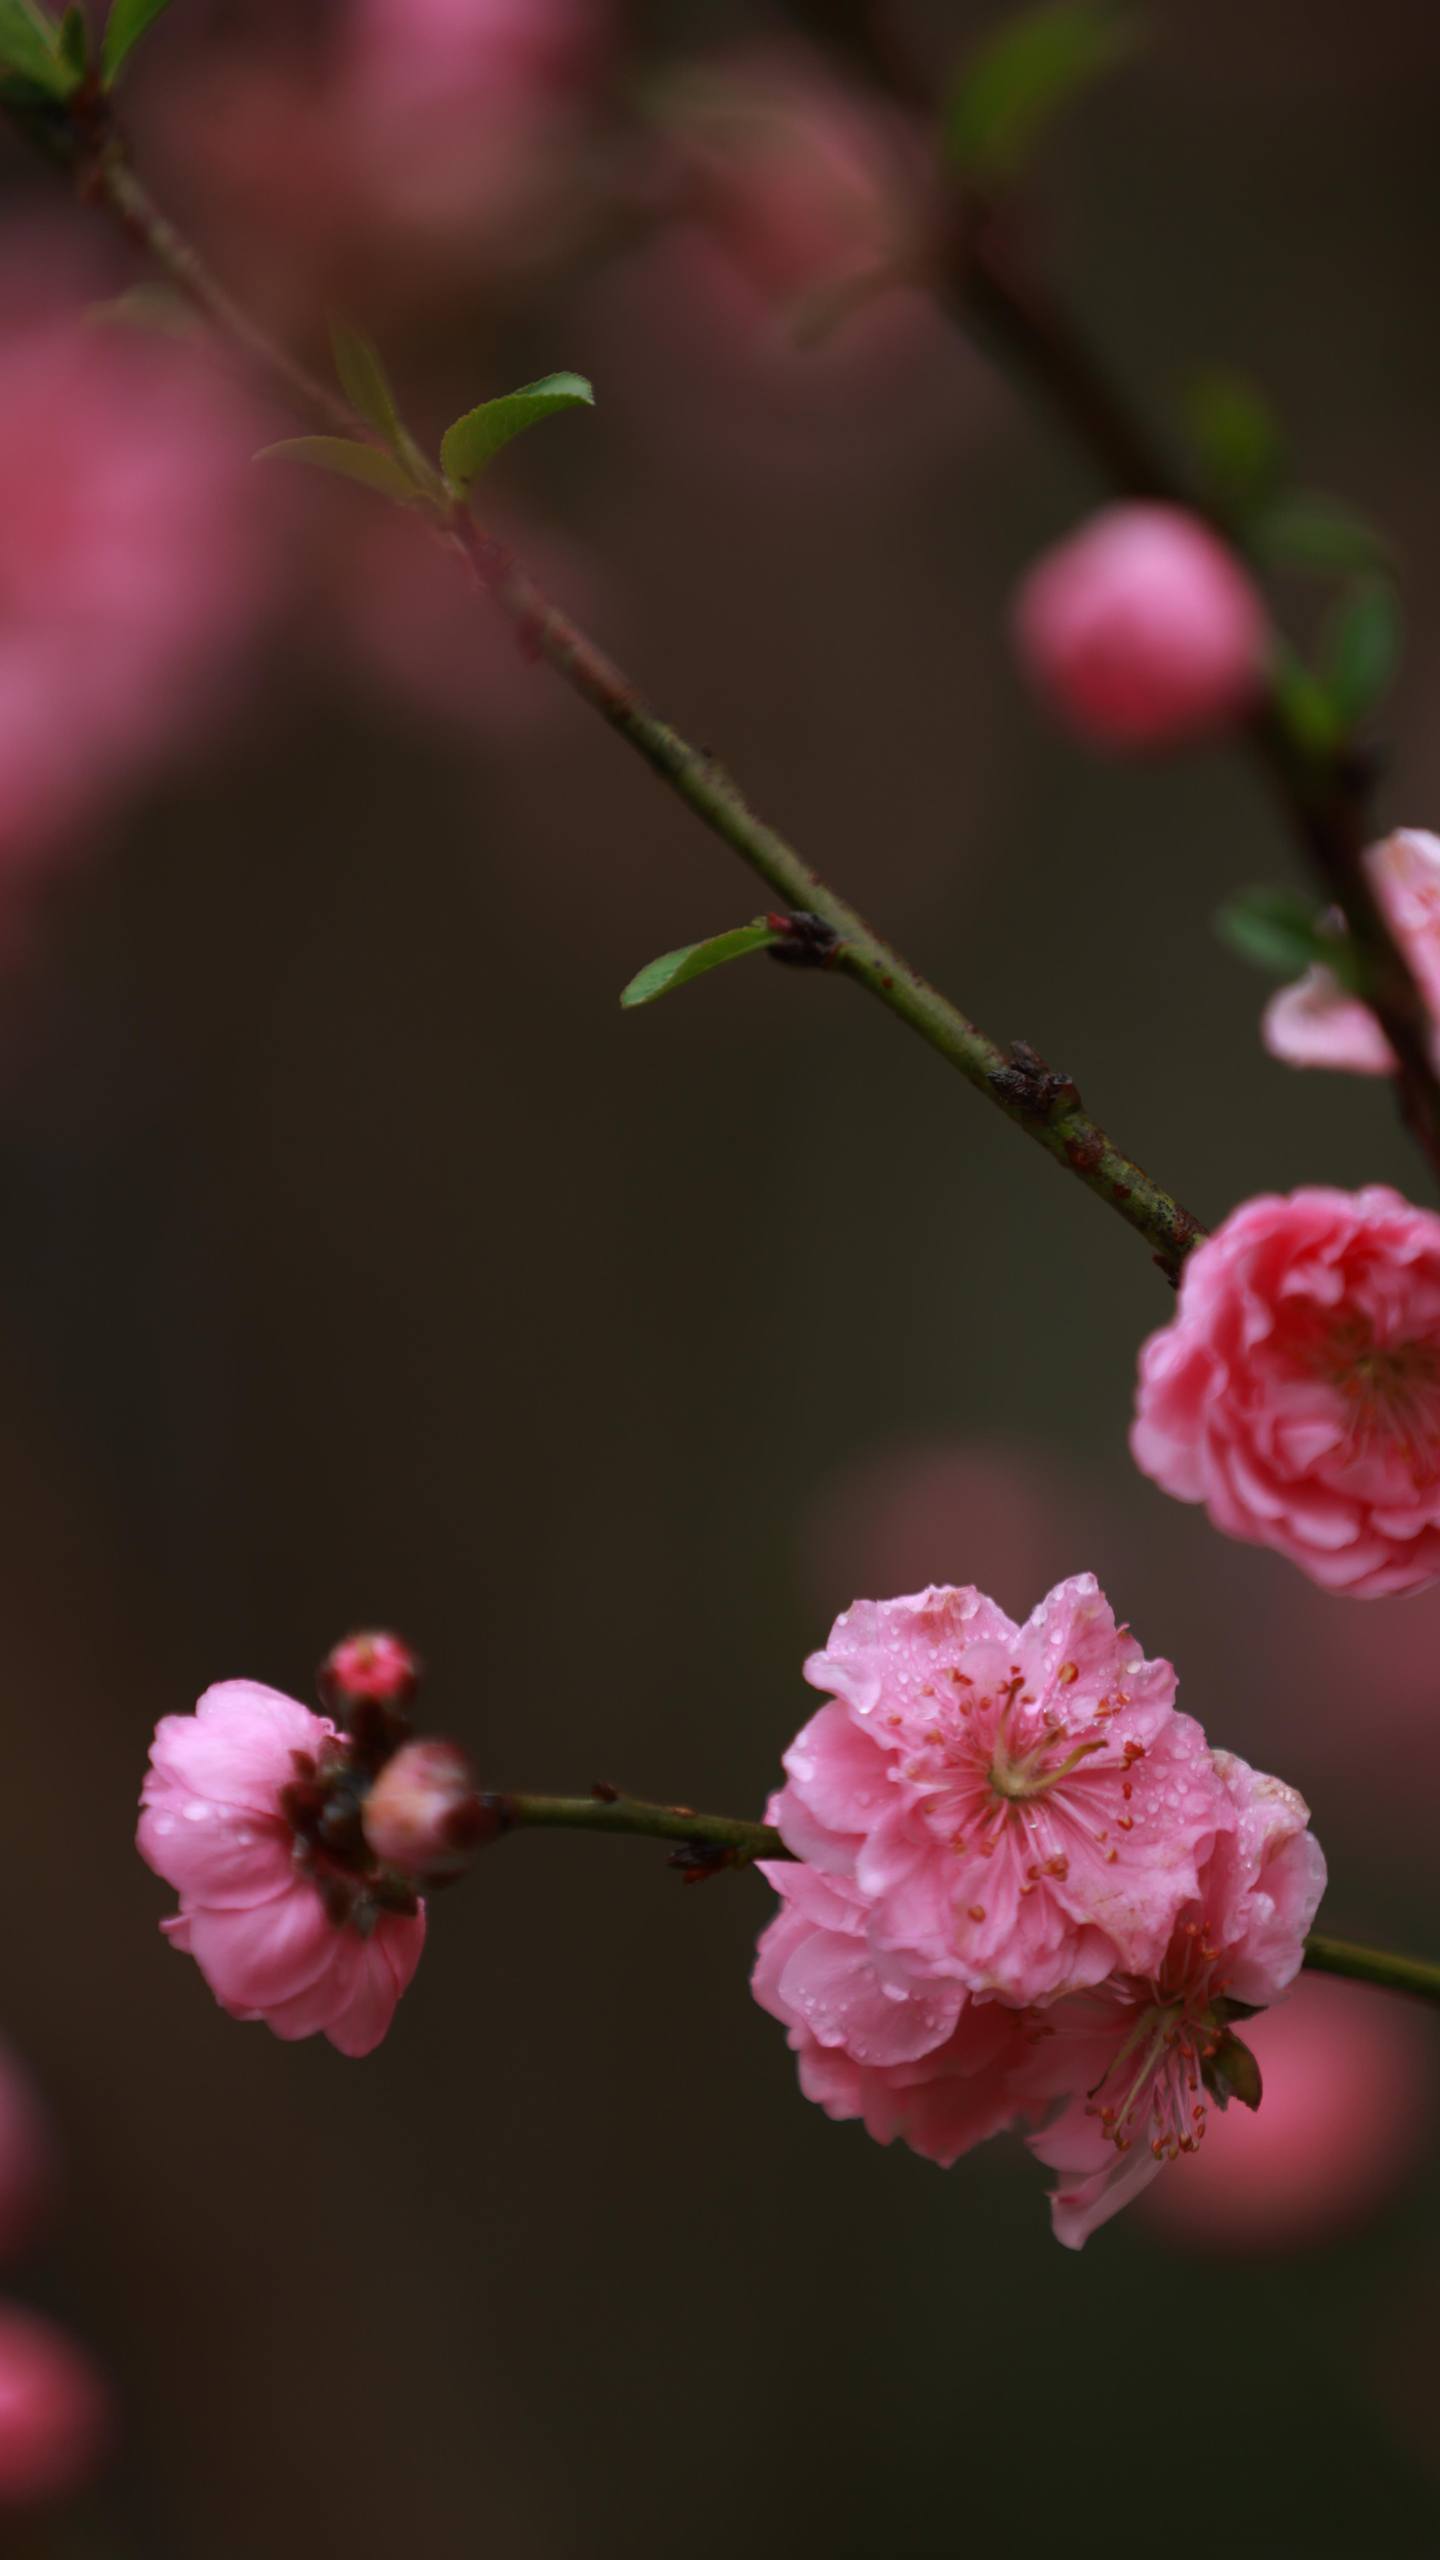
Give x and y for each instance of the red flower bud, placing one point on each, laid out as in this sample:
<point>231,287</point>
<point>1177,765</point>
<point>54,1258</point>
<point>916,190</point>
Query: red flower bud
<point>425,1816</point>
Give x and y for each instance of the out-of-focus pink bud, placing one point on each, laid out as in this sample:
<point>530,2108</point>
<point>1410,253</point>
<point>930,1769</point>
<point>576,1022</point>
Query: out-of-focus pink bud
<point>27,2166</point>
<point>56,2420</point>
<point>1142,630</point>
<point>425,1816</point>
<point>373,1669</point>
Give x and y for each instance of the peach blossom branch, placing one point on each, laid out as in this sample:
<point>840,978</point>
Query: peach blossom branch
<point>1046,1105</point>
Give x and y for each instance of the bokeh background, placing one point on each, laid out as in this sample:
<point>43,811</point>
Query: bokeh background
<point>360,1262</point>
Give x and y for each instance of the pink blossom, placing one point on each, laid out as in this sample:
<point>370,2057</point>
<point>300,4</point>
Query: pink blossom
<point>1296,1392</point>
<point>1349,2109</point>
<point>1020,1808</point>
<point>279,1919</point>
<point>1141,630</point>
<point>1132,2061</point>
<point>921,2064</point>
<point>56,2419</point>
<point>1317,1022</point>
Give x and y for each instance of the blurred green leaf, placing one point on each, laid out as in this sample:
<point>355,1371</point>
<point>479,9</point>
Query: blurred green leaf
<point>349,461</point>
<point>1034,67</point>
<point>1237,441</point>
<point>74,43</point>
<point>1306,530</point>
<point>474,439</point>
<point>364,381</point>
<point>675,968</point>
<point>147,306</point>
<point>124,27</point>
<point>1362,650</point>
<point>29,46</point>
<point>1277,929</point>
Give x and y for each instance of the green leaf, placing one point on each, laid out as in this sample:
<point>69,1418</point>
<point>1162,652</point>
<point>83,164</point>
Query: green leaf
<point>675,968</point>
<point>146,306</point>
<point>474,439</point>
<point>1230,2070</point>
<point>364,381</point>
<point>1277,929</point>
<point>1306,530</point>
<point>124,27</point>
<point>1237,440</point>
<point>350,461</point>
<point>29,45</point>
<point>1022,79</point>
<point>1362,650</point>
<point>74,44</point>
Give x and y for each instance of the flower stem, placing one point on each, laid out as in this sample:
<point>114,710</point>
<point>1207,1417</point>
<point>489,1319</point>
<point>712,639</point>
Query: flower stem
<point>602,1811</point>
<point>1374,1964</point>
<point>1045,1105</point>
<point>741,1843</point>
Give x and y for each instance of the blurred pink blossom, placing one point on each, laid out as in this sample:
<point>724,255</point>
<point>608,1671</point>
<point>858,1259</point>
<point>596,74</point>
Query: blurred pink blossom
<point>997,1513</point>
<point>1296,1391</point>
<point>56,2416</point>
<point>1020,1808</point>
<point>279,1930</point>
<point>1348,2111</point>
<point>1317,1022</point>
<point>27,2155</point>
<point>128,577</point>
<point>1142,630</point>
<point>418,140</point>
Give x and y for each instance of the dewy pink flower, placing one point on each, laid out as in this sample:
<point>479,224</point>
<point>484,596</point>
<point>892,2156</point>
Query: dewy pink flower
<point>1133,2060</point>
<point>1142,630</point>
<point>1296,1392</point>
<point>1020,1808</point>
<point>276,1933</point>
<point>56,2419</point>
<point>1317,1022</point>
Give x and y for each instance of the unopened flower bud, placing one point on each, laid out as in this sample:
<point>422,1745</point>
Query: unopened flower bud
<point>425,1816</point>
<point>374,1669</point>
<point>1142,630</point>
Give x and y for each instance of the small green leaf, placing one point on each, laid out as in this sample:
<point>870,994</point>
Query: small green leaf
<point>147,306</point>
<point>1237,441</point>
<point>29,46</point>
<point>474,439</point>
<point>1308,531</point>
<point>1022,79</point>
<point>124,27</point>
<point>1231,2071</point>
<point>1277,929</point>
<point>364,381</point>
<point>350,461</point>
<point>1362,650</point>
<point>675,968</point>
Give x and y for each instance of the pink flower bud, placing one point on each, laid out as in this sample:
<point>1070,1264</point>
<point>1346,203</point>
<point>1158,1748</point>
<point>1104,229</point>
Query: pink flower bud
<point>424,1815</point>
<point>1142,630</point>
<point>56,2420</point>
<point>374,1669</point>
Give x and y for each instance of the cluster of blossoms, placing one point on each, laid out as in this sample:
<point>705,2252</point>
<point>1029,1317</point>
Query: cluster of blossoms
<point>1025,1894</point>
<point>297,1847</point>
